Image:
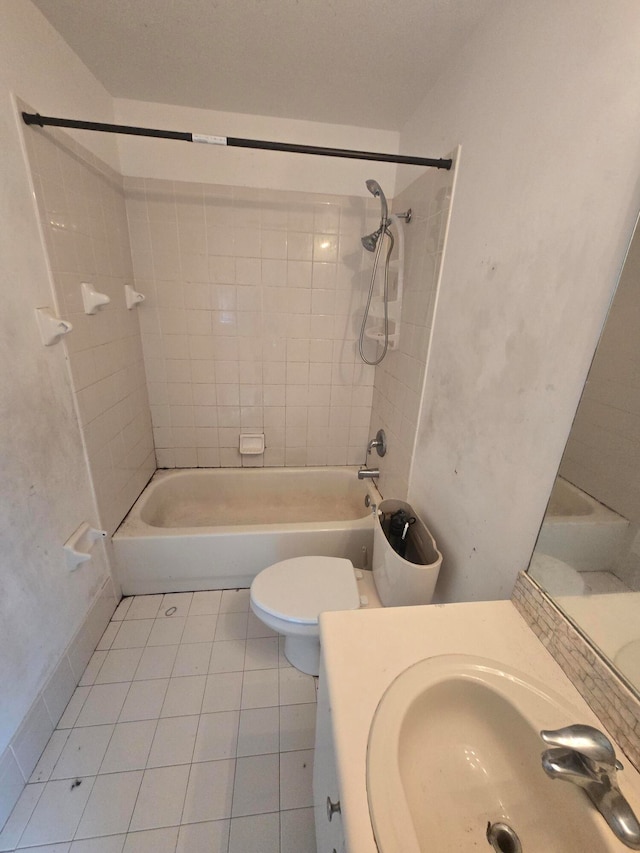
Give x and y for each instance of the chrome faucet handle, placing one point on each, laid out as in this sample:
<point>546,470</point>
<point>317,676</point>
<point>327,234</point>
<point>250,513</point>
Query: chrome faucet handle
<point>587,741</point>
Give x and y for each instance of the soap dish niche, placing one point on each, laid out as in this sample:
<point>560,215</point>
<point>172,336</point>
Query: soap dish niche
<point>252,444</point>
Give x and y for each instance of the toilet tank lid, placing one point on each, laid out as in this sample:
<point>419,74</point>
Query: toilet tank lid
<point>302,588</point>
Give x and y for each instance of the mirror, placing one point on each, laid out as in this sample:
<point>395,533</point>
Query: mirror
<point>587,557</point>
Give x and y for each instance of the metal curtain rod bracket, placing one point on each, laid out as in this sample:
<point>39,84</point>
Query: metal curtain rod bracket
<point>235,141</point>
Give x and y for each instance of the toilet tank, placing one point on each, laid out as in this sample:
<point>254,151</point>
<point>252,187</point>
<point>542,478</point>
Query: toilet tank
<point>399,581</point>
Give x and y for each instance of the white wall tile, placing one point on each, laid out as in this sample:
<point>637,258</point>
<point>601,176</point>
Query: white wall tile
<point>271,284</point>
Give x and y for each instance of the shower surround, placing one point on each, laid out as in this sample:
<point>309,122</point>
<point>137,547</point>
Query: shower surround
<point>250,323</point>
<point>83,219</point>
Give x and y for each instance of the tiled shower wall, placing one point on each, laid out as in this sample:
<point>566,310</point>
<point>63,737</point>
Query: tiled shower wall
<point>82,211</point>
<point>400,376</point>
<point>250,324</point>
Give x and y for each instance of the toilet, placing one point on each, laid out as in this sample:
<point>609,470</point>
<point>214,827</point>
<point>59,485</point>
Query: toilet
<point>556,576</point>
<point>289,596</point>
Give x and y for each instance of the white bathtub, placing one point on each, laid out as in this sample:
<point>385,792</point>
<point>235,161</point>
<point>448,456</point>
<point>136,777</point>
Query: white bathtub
<point>580,531</point>
<point>216,528</point>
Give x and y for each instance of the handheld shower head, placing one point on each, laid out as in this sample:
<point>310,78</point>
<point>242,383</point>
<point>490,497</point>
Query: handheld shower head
<point>370,241</point>
<point>376,191</point>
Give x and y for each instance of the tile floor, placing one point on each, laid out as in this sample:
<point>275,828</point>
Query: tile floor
<point>189,732</point>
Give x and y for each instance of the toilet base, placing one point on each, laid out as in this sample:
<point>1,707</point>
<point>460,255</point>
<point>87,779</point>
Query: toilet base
<point>303,653</point>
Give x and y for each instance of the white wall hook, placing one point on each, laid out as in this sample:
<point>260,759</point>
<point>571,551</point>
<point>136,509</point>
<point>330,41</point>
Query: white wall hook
<point>51,328</point>
<point>91,299</point>
<point>79,544</point>
<point>132,297</point>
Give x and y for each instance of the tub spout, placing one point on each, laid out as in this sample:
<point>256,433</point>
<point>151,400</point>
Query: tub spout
<point>368,473</point>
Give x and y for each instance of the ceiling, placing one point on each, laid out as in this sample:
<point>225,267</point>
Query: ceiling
<point>358,62</point>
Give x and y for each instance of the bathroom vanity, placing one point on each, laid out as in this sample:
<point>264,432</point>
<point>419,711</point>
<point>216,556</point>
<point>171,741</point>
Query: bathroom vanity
<point>505,686</point>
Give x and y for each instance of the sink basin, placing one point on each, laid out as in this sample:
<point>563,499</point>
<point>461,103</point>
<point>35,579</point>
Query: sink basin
<point>454,746</point>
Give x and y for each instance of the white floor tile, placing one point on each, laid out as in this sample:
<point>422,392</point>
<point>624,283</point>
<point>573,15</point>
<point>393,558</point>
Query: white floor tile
<point>200,629</point>
<point>205,602</point>
<point>108,636</point>
<point>258,734</point>
<point>210,791</point>
<point>222,692</point>
<point>255,834</point>
<point>57,814</point>
<point>72,711</point>
<point>19,817</point>
<point>192,659</point>
<point>217,736</point>
<point>93,668</point>
<point>227,656</point>
<point>167,632</point>
<point>121,609</point>
<point>260,688</point>
<point>144,700</point>
<point>110,805</point>
<point>257,785</point>
<point>129,747</point>
<point>150,712</point>
<point>152,841</point>
<point>208,837</point>
<point>296,687</point>
<point>261,653</point>
<point>51,754</point>
<point>178,603</point>
<point>234,601</point>
<point>296,777</point>
<point>257,628</point>
<point>231,626</point>
<point>161,798</point>
<point>119,665</point>
<point>184,696</point>
<point>174,740</point>
<point>297,831</point>
<point>156,662</point>
<point>133,634</point>
<point>297,727</point>
<point>144,607</point>
<point>103,704</point>
<point>105,844</point>
<point>83,752</point>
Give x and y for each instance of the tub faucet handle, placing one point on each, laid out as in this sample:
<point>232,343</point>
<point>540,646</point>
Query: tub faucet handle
<point>379,442</point>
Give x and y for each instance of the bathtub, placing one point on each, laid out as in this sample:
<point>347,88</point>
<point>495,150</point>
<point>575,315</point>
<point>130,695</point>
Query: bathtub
<point>580,531</point>
<point>216,528</point>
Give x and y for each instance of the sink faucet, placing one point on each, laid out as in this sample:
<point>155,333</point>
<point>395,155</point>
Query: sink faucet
<point>585,756</point>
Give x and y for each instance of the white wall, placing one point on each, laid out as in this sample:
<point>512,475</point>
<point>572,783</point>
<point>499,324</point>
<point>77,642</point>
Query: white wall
<point>545,99</point>
<point>46,491</point>
<point>183,161</point>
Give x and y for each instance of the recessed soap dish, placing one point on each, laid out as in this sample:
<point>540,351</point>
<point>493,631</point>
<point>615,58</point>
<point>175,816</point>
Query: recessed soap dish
<point>252,444</point>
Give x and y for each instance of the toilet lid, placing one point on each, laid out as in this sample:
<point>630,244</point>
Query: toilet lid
<point>299,590</point>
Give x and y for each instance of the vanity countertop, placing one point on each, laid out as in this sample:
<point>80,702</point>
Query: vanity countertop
<point>365,650</point>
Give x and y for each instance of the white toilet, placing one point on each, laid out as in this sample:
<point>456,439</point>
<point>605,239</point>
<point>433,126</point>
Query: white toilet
<point>290,596</point>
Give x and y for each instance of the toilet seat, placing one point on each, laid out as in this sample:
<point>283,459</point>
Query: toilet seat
<point>299,589</point>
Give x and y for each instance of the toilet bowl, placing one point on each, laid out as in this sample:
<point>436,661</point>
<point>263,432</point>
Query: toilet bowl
<point>556,576</point>
<point>290,596</point>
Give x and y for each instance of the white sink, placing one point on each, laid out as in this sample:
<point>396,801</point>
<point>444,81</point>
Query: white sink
<point>454,746</point>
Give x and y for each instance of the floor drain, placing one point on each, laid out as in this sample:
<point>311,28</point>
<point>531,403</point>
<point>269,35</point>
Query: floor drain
<point>502,838</point>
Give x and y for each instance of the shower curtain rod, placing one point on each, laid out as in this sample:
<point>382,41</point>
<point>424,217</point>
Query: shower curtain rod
<point>235,141</point>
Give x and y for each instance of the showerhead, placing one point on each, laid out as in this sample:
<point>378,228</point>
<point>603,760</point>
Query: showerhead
<point>370,241</point>
<point>376,191</point>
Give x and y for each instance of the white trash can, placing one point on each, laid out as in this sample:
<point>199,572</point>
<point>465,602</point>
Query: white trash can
<point>402,581</point>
